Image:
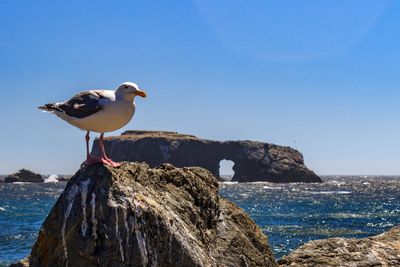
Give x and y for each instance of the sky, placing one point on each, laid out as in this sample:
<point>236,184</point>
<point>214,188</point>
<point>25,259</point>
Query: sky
<point>320,76</point>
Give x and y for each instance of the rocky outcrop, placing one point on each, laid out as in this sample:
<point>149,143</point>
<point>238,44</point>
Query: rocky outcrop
<point>253,161</point>
<point>24,176</point>
<point>64,178</point>
<point>138,216</point>
<point>380,250</point>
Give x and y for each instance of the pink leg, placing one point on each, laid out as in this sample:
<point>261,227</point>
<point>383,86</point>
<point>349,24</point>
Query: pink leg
<point>90,159</point>
<point>104,159</point>
<point>87,138</point>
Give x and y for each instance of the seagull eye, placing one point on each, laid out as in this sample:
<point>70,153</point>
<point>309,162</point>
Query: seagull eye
<point>126,86</point>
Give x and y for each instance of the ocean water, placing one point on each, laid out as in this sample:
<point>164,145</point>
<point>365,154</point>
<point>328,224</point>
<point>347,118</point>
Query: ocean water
<point>290,214</point>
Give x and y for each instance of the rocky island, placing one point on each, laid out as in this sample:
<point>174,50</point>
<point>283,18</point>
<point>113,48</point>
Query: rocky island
<point>253,161</point>
<point>135,215</point>
<point>24,175</point>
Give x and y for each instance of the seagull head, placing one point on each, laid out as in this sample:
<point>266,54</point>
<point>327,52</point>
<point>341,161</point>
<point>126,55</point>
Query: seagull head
<point>129,90</point>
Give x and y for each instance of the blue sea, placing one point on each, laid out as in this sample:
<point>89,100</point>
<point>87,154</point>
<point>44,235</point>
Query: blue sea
<point>290,214</point>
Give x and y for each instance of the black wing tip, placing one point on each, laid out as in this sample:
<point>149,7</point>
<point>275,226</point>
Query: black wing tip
<point>49,107</point>
<point>42,107</point>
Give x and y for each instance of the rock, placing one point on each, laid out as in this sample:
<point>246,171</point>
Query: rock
<point>24,176</point>
<point>21,263</point>
<point>380,250</point>
<point>253,161</point>
<point>138,216</point>
<point>64,178</point>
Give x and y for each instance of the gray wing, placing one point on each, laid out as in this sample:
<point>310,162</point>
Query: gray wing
<point>81,105</point>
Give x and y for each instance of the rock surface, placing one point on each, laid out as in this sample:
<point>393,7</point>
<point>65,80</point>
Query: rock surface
<point>138,216</point>
<point>380,250</point>
<point>64,178</point>
<point>253,161</point>
<point>24,176</point>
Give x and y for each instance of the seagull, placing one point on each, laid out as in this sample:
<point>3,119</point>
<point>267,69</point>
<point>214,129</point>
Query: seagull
<point>98,111</point>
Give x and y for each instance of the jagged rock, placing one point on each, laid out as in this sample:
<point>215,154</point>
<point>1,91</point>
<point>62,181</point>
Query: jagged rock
<point>24,176</point>
<point>253,161</point>
<point>380,250</point>
<point>138,216</point>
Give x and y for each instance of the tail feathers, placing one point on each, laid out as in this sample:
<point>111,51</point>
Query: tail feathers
<point>49,107</point>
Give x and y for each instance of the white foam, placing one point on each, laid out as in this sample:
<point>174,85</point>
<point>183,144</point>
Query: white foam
<point>2,209</point>
<point>229,183</point>
<point>71,194</point>
<point>272,187</point>
<point>338,183</point>
<point>51,179</point>
<point>328,192</point>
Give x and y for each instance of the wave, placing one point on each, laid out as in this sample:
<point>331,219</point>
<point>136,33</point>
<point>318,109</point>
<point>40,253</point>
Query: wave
<point>338,183</point>
<point>343,215</point>
<point>52,179</point>
<point>229,183</point>
<point>272,187</point>
<point>327,192</point>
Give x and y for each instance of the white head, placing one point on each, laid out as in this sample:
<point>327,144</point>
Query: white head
<point>129,90</point>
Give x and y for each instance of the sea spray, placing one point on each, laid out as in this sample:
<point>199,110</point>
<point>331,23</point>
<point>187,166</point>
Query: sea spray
<point>51,179</point>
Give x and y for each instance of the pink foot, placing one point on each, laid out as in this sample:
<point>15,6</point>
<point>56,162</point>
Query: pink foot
<point>103,160</point>
<point>110,162</point>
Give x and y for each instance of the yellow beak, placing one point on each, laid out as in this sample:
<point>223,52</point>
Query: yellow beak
<point>141,93</point>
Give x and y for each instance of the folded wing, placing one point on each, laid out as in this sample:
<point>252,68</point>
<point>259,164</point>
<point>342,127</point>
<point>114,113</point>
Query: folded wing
<point>81,105</point>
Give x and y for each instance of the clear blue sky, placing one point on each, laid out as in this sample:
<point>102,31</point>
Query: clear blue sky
<point>320,76</point>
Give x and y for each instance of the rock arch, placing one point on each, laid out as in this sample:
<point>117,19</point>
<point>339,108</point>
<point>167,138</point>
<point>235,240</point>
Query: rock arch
<point>254,161</point>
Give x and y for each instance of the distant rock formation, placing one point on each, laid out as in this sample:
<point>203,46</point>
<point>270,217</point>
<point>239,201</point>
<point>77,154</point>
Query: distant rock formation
<point>253,161</point>
<point>24,176</point>
<point>64,178</point>
<point>137,216</point>
<point>380,250</point>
